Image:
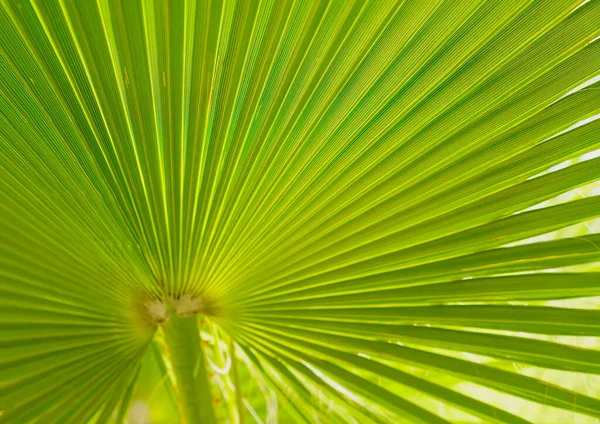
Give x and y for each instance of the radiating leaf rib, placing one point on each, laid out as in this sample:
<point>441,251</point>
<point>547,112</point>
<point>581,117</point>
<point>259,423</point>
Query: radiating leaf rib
<point>542,286</point>
<point>530,192</point>
<point>509,382</point>
<point>529,257</point>
<point>493,206</point>
<point>301,405</point>
<point>466,403</point>
<point>386,399</point>
<point>290,385</point>
<point>375,257</point>
<point>568,25</point>
<point>321,179</point>
<point>529,319</point>
<point>42,392</point>
<point>294,391</point>
<point>536,352</point>
<point>548,122</point>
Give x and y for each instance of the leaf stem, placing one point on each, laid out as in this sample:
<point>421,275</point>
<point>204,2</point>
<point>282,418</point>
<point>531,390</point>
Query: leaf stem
<point>187,359</point>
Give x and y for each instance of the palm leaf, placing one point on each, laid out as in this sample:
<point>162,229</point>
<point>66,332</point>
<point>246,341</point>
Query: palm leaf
<point>352,195</point>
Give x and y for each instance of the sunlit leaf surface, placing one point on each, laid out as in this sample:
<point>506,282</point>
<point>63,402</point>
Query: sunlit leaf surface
<point>384,211</point>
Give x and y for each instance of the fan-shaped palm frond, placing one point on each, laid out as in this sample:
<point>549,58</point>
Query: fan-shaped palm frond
<point>310,211</point>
